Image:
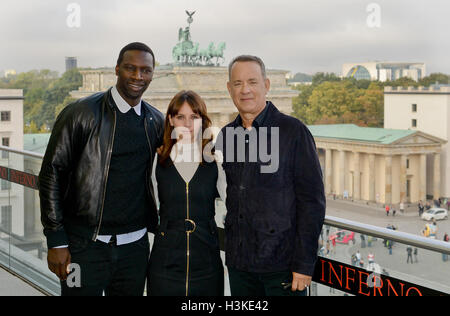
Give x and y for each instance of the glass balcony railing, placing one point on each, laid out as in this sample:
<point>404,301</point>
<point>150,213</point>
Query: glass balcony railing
<point>22,243</point>
<point>354,258</point>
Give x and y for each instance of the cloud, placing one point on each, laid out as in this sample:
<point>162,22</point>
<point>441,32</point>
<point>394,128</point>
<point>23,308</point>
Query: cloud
<point>296,35</point>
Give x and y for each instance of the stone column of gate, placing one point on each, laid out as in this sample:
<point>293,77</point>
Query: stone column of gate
<point>403,159</point>
<point>356,177</point>
<point>328,170</point>
<point>423,177</point>
<point>371,177</point>
<point>341,173</point>
<point>388,179</point>
<point>437,176</point>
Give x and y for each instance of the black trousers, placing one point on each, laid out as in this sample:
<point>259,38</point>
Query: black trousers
<point>107,268</point>
<point>261,284</point>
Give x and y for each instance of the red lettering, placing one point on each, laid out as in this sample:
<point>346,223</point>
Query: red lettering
<point>14,177</point>
<point>323,270</point>
<point>337,277</point>
<point>31,181</point>
<point>347,272</point>
<point>413,288</point>
<point>390,286</point>
<point>361,283</point>
<point>375,287</point>
<point>3,173</point>
<point>22,178</point>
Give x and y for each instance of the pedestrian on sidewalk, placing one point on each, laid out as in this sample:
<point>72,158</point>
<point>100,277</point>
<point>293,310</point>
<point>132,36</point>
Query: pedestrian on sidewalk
<point>321,250</point>
<point>354,260</point>
<point>387,210</point>
<point>333,242</point>
<point>433,229</point>
<point>394,212</point>
<point>437,203</point>
<point>371,259</point>
<point>421,208</point>
<point>402,207</point>
<point>363,241</point>
<point>389,246</point>
<point>409,251</point>
<point>416,252</point>
<point>361,263</point>
<point>445,256</point>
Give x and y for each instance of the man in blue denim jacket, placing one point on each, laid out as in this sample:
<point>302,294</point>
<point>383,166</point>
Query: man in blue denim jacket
<point>275,194</point>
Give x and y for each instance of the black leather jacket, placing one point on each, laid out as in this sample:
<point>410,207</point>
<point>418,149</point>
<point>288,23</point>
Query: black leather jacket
<point>74,172</point>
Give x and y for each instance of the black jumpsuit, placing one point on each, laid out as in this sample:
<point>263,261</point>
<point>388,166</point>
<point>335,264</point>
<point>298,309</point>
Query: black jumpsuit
<point>185,258</point>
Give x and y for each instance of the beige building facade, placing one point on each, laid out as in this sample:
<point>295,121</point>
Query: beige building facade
<point>12,215</point>
<point>379,165</point>
<point>209,82</point>
<point>425,109</point>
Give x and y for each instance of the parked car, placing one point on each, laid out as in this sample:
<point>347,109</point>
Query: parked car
<point>343,237</point>
<point>435,213</point>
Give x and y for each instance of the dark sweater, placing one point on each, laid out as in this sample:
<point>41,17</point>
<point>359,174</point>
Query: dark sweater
<point>126,201</point>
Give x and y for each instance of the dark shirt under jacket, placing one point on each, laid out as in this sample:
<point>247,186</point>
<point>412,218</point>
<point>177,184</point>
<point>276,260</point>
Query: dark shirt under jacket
<point>273,219</point>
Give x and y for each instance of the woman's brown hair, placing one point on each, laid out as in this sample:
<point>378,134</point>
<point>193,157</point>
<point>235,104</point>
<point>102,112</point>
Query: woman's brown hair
<point>198,106</point>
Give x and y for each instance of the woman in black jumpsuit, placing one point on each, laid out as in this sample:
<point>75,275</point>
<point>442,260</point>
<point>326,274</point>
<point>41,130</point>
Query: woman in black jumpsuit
<point>185,258</point>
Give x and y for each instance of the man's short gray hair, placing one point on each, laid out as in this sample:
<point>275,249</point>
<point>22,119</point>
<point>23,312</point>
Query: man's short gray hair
<point>247,58</point>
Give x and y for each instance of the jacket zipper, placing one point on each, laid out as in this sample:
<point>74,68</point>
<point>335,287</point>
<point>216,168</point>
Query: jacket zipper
<point>187,237</point>
<point>107,169</point>
<point>106,177</point>
<point>148,174</point>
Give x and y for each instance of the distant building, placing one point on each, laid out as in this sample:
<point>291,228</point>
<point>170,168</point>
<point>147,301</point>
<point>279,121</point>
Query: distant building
<point>10,72</point>
<point>12,216</point>
<point>384,71</point>
<point>376,164</point>
<point>71,63</point>
<point>299,79</point>
<point>426,110</point>
<point>35,143</point>
<point>209,82</point>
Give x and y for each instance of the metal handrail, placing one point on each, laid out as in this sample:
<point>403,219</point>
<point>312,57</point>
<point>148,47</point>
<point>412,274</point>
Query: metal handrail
<point>365,229</point>
<point>389,234</point>
<point>22,152</point>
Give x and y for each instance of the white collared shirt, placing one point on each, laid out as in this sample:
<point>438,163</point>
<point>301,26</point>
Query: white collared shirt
<point>123,105</point>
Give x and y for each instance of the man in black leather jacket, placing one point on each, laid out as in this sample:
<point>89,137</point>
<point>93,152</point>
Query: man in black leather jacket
<point>96,202</point>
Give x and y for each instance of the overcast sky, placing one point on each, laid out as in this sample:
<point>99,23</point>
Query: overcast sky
<point>295,35</point>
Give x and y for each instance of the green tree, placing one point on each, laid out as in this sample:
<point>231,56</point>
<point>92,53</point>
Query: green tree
<point>331,100</point>
<point>322,77</point>
<point>300,103</point>
<point>402,82</point>
<point>31,128</point>
<point>434,78</point>
<point>43,92</point>
<point>56,94</point>
<point>372,103</point>
<point>65,103</point>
